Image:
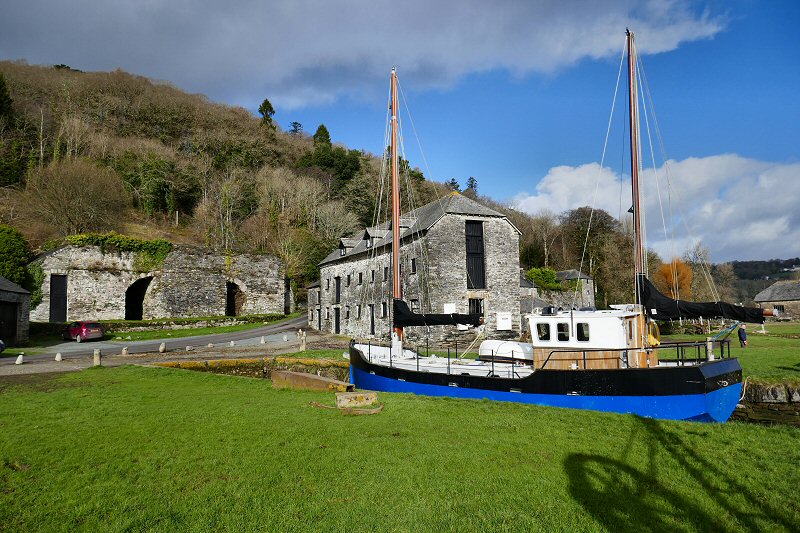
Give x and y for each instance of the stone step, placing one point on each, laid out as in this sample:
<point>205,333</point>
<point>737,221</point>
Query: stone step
<point>285,379</point>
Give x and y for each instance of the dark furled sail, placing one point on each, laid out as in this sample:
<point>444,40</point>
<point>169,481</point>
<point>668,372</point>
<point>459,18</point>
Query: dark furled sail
<point>403,316</point>
<point>661,307</point>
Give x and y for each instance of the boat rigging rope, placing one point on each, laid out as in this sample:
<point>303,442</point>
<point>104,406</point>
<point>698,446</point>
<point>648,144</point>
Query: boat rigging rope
<point>597,179</point>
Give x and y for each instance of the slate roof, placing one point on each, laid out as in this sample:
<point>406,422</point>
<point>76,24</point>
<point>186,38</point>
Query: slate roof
<point>10,286</point>
<point>570,274</point>
<point>524,283</point>
<point>780,291</point>
<point>418,220</point>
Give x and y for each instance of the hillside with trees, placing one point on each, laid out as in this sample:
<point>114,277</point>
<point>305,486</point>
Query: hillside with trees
<point>111,151</point>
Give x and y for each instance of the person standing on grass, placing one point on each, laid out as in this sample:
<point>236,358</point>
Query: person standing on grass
<point>742,336</point>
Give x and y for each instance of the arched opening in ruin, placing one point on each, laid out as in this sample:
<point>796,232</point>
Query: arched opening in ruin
<point>134,298</point>
<point>234,300</point>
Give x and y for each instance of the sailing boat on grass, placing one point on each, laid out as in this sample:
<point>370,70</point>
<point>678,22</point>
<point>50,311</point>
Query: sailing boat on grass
<point>603,360</point>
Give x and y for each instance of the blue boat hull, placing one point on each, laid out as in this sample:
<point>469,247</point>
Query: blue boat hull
<point>717,387</point>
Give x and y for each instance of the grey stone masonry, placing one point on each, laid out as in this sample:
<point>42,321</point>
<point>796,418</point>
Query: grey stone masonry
<point>191,282</point>
<point>14,313</point>
<point>433,259</point>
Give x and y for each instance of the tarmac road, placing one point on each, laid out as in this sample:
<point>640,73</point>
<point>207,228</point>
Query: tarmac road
<point>73,350</point>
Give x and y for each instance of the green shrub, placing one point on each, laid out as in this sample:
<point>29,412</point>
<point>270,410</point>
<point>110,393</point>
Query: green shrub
<point>14,255</point>
<point>544,278</point>
<point>35,280</point>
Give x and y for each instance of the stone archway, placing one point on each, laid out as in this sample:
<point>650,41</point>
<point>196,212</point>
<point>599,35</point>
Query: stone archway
<point>234,299</point>
<point>134,298</point>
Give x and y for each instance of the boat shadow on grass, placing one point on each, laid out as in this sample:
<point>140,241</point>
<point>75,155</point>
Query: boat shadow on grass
<point>623,497</point>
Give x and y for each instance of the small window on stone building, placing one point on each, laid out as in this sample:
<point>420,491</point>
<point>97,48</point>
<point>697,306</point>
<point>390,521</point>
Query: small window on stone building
<point>563,331</point>
<point>341,251</point>
<point>360,278</point>
<point>348,280</point>
<point>358,311</point>
<point>385,273</point>
<point>476,306</point>
<point>415,306</point>
<point>413,265</point>
<point>543,331</point>
<point>779,308</point>
<point>327,313</point>
<point>582,331</point>
<point>369,242</point>
<point>347,311</point>
<point>384,312</point>
<point>328,284</point>
<point>372,276</point>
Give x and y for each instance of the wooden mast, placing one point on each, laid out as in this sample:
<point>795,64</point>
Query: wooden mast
<point>634,133</point>
<point>397,290</point>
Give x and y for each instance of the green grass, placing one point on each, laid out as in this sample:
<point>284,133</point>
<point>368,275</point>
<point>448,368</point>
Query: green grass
<point>132,448</point>
<point>36,346</point>
<point>122,336</point>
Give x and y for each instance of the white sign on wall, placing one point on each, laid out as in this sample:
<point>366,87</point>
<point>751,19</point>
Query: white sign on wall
<point>504,322</point>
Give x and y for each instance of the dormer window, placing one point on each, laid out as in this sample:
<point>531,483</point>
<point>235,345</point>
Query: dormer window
<point>369,242</point>
<point>342,251</point>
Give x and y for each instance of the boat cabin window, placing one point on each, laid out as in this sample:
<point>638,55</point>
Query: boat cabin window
<point>583,331</point>
<point>563,331</point>
<point>543,331</point>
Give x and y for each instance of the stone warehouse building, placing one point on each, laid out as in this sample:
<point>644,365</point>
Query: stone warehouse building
<point>14,308</point>
<point>456,256</point>
<point>783,296</point>
<point>84,283</point>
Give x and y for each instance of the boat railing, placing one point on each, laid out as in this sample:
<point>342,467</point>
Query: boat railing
<point>686,352</point>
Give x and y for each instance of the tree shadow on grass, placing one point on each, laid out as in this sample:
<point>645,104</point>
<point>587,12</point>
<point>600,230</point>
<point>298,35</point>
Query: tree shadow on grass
<point>623,497</point>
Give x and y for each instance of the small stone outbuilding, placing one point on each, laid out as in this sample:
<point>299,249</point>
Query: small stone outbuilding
<point>783,296</point>
<point>87,283</point>
<point>14,313</point>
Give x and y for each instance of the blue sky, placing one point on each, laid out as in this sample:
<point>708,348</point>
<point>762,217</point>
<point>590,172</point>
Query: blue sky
<point>514,93</point>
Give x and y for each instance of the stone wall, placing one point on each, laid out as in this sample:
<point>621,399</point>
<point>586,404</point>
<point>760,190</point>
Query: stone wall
<point>22,303</point>
<point>190,282</point>
<point>770,404</point>
<point>791,308</point>
<point>439,280</point>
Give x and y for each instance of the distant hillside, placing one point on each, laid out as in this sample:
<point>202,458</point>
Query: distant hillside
<point>771,269</point>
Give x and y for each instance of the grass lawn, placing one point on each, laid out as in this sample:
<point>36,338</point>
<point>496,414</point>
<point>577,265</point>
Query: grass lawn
<point>36,346</point>
<point>122,336</point>
<point>131,448</point>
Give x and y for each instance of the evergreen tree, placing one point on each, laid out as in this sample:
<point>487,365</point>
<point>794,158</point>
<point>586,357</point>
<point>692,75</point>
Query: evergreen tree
<point>453,185</point>
<point>295,128</point>
<point>14,254</point>
<point>322,138</point>
<point>6,103</point>
<point>266,110</point>
<point>472,184</point>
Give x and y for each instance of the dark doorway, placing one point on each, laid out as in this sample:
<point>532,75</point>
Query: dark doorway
<point>134,298</point>
<point>372,319</point>
<point>319,319</point>
<point>234,301</point>
<point>58,298</point>
<point>338,290</point>
<point>287,296</point>
<point>336,319</point>
<point>8,322</point>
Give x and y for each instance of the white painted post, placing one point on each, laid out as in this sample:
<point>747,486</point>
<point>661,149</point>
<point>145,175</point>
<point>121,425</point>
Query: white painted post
<point>20,359</point>
<point>233,343</point>
<point>210,344</point>
<point>263,339</point>
<point>58,357</point>
<point>710,348</point>
<point>162,347</point>
<point>97,357</point>
<point>124,350</point>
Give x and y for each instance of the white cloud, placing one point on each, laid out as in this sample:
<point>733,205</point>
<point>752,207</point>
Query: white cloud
<point>300,52</point>
<point>739,208</point>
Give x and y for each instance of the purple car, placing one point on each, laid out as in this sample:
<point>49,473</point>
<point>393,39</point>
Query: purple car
<point>83,331</point>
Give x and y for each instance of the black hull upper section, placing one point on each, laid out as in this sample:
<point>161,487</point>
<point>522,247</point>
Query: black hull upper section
<point>658,381</point>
